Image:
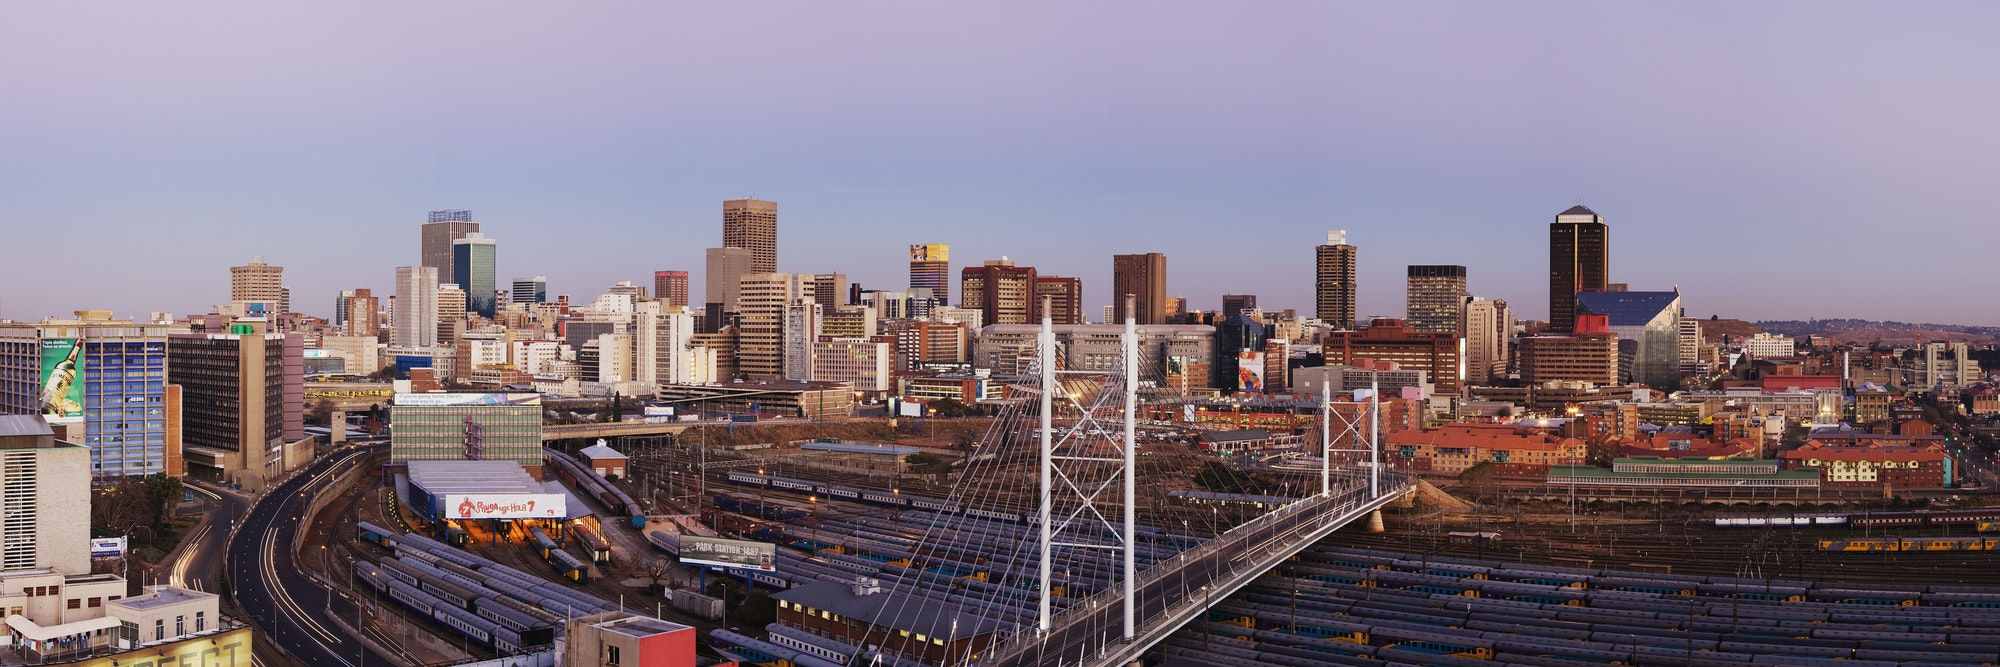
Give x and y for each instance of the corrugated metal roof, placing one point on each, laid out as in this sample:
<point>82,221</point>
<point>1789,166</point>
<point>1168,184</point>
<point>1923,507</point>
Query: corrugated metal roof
<point>442,477</point>
<point>600,452</point>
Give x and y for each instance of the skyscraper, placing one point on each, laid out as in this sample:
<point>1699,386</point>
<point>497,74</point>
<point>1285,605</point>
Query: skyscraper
<point>416,311</point>
<point>63,369</point>
<point>930,267</point>
<point>243,398</point>
<point>1065,299</point>
<point>1488,327</point>
<point>1142,275</point>
<point>258,282</point>
<point>774,305</point>
<point>452,306</point>
<point>671,287</point>
<point>440,232</point>
<point>530,290</point>
<point>472,261</point>
<point>340,308</point>
<point>1579,261</point>
<point>1333,284</point>
<point>1235,304</point>
<point>1436,293</point>
<point>1002,292</point>
<point>364,313</point>
<point>752,224</point>
<point>726,268</point>
<point>829,290</point>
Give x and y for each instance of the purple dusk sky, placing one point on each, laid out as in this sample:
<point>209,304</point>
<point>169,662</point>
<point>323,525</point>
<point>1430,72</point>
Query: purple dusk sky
<point>1772,159</point>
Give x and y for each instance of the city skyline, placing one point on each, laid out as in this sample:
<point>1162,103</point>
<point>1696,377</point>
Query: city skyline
<point>1752,144</point>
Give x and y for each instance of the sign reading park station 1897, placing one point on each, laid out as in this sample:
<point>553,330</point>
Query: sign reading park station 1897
<point>696,550</point>
<point>504,506</point>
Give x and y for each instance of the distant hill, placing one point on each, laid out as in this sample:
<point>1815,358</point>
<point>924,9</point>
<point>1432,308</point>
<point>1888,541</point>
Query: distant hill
<point>1891,333</point>
<point>1737,330</point>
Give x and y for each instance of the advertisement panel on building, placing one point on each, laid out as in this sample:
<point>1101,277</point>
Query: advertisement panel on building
<point>107,547</point>
<point>910,409</point>
<point>1250,371</point>
<point>467,398</point>
<point>62,377</point>
<point>930,252</point>
<point>697,550</point>
<point>505,506</point>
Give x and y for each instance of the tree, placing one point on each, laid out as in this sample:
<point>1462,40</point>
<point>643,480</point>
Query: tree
<point>1481,481</point>
<point>950,408</point>
<point>321,411</point>
<point>384,374</point>
<point>658,569</point>
<point>1215,476</point>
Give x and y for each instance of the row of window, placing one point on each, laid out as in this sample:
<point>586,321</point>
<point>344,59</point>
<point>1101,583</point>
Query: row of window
<point>830,616</point>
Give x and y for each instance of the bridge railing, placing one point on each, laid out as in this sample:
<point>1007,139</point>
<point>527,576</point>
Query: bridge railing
<point>1279,529</point>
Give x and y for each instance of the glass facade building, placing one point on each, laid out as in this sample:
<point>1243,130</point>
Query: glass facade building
<point>110,376</point>
<point>472,260</point>
<point>1648,326</point>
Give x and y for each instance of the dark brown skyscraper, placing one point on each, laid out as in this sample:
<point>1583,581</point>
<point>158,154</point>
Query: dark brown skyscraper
<point>752,224</point>
<point>440,231</point>
<point>1144,276</point>
<point>671,287</point>
<point>1002,292</point>
<point>1334,281</point>
<point>1065,299</point>
<point>1579,261</point>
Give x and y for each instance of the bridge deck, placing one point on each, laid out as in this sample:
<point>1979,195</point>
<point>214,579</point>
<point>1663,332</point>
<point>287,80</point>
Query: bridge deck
<point>1175,591</point>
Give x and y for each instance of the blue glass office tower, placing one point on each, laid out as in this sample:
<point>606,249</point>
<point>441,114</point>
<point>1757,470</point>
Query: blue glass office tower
<point>108,376</point>
<point>472,270</point>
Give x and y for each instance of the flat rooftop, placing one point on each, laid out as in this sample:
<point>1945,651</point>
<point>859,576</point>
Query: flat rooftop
<point>854,448</point>
<point>163,596</point>
<point>447,477</point>
<point>641,626</point>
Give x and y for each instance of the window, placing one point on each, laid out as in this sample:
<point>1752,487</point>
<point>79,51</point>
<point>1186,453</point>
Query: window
<point>611,655</point>
<point>96,602</point>
<point>200,622</point>
<point>159,629</point>
<point>180,625</point>
<point>76,603</point>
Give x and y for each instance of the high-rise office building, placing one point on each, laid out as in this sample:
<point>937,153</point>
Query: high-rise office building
<point>416,312</point>
<point>662,341</point>
<point>829,290</point>
<point>1065,297</point>
<point>769,303</point>
<point>1388,339</point>
<point>109,376</point>
<point>1333,284</point>
<point>243,394</point>
<point>1579,261</point>
<point>451,314</point>
<point>1002,292</point>
<point>1144,276</point>
<point>340,308</point>
<point>671,287</point>
<point>1235,304</point>
<point>930,268</point>
<point>472,269</point>
<point>258,282</point>
<point>1648,326</point>
<point>752,224</point>
<point>444,228</point>
<point>364,313</point>
<point>726,268</point>
<point>1435,294</point>
<point>1488,328</point>
<point>530,290</point>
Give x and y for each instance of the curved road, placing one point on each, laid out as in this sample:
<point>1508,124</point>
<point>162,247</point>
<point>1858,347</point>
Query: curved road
<point>198,566</point>
<point>293,609</point>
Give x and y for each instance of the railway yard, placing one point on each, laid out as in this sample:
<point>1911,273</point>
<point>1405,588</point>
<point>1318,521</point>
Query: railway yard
<point>1535,571</point>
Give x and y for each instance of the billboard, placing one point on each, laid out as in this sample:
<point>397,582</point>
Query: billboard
<point>697,550</point>
<point>1250,371</point>
<point>107,547</point>
<point>467,398</point>
<point>62,377</point>
<point>504,506</point>
<point>930,252</point>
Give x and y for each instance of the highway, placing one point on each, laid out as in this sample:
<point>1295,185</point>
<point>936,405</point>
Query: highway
<point>291,608</point>
<point>198,566</point>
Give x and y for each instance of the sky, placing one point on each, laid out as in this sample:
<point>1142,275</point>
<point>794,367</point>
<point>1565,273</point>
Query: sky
<point>1775,160</point>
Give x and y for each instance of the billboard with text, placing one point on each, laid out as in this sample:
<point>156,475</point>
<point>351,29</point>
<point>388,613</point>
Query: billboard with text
<point>760,556</point>
<point>62,377</point>
<point>504,506</point>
